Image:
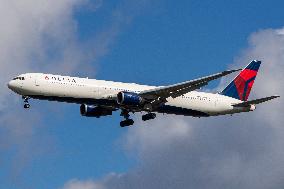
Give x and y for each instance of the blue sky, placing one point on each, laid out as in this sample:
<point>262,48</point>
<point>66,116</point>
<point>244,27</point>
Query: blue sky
<point>156,43</point>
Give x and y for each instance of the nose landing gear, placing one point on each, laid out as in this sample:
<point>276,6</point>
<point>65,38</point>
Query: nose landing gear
<point>26,101</point>
<point>26,106</point>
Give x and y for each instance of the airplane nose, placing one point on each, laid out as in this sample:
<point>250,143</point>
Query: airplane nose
<point>11,85</point>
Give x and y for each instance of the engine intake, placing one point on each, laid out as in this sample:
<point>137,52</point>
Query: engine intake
<point>129,98</point>
<point>94,111</point>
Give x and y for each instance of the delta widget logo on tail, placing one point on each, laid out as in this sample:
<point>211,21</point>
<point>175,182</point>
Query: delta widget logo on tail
<point>241,86</point>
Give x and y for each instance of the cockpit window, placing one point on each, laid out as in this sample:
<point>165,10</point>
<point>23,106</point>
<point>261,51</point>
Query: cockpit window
<point>20,78</point>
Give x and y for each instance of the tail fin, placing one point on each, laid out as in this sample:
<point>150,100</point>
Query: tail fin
<point>241,86</point>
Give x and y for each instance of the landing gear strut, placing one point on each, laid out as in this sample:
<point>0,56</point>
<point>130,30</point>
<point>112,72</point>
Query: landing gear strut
<point>148,116</point>
<point>26,101</point>
<point>127,122</point>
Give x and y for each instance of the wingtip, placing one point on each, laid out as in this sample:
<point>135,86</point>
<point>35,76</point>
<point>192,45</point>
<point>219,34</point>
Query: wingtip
<point>238,70</point>
<point>232,71</point>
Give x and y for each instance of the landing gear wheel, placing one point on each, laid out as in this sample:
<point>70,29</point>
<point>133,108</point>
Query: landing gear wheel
<point>126,123</point>
<point>148,116</point>
<point>26,106</point>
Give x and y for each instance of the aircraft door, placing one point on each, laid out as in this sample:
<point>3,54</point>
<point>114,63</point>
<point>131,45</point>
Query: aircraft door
<point>36,81</point>
<point>216,102</point>
<point>96,92</point>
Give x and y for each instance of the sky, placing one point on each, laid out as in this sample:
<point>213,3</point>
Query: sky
<point>157,42</point>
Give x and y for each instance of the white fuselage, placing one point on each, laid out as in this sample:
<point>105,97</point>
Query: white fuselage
<point>100,92</point>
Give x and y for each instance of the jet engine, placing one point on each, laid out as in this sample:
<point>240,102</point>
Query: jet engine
<point>94,111</point>
<point>129,98</point>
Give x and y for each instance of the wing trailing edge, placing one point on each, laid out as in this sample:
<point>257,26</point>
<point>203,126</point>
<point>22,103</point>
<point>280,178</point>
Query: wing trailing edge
<point>179,89</point>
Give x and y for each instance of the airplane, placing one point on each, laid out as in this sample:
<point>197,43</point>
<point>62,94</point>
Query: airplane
<point>101,98</point>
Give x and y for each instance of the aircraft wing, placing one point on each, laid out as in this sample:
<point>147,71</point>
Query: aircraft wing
<point>253,102</point>
<point>179,89</point>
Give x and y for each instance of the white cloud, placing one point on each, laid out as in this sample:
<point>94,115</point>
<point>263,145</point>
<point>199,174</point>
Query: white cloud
<point>31,32</point>
<point>35,36</point>
<point>76,184</point>
<point>243,151</point>
<point>42,36</point>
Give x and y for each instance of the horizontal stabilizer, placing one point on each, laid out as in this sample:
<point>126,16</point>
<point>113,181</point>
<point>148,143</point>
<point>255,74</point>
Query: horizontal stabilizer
<point>253,102</point>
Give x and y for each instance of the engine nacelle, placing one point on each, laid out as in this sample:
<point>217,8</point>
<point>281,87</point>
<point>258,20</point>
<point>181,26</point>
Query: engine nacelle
<point>129,98</point>
<point>94,111</point>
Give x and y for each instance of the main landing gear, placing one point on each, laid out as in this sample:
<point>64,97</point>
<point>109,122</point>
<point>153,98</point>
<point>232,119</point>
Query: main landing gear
<point>148,116</point>
<point>127,122</point>
<point>26,101</point>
